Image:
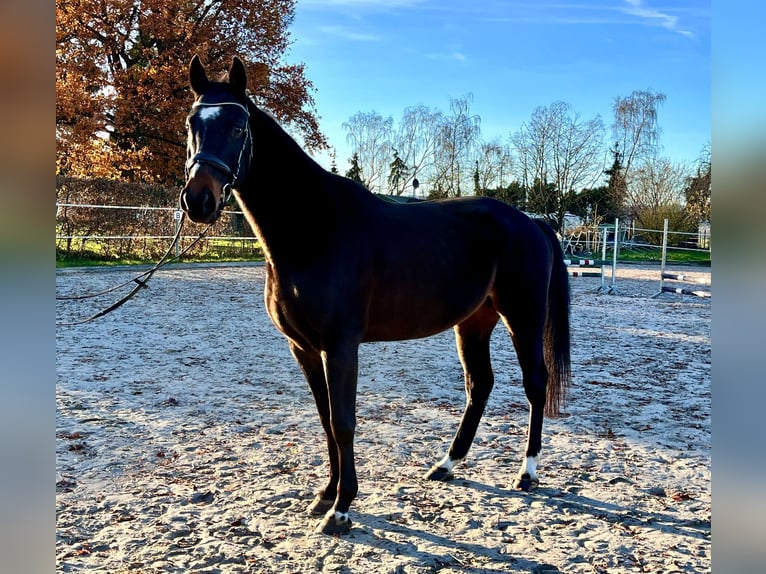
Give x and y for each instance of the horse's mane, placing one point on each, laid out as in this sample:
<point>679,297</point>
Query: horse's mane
<point>271,122</point>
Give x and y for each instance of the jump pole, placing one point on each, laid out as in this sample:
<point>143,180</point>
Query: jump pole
<point>676,276</point>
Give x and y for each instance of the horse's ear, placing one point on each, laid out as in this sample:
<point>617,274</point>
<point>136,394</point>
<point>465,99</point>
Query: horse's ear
<point>238,76</point>
<point>197,76</point>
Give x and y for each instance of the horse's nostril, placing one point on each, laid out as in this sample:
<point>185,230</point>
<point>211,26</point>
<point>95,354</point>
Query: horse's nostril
<point>183,201</point>
<point>209,202</point>
<point>199,203</point>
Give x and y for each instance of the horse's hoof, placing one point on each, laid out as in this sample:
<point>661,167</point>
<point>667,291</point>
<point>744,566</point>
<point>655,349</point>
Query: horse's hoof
<point>439,473</point>
<point>526,483</point>
<point>319,506</point>
<point>334,523</point>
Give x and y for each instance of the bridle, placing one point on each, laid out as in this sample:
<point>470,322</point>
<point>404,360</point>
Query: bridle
<point>213,160</point>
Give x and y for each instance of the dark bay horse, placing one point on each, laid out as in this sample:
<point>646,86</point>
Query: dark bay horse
<point>345,267</point>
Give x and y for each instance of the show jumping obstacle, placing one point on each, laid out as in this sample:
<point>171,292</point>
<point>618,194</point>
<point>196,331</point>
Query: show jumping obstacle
<point>586,267</point>
<point>679,277</point>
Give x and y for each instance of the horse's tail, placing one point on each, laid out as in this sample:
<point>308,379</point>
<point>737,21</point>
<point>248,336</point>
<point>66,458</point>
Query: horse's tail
<point>556,349</point>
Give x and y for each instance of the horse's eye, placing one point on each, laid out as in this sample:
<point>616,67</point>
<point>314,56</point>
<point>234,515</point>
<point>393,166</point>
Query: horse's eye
<point>237,132</point>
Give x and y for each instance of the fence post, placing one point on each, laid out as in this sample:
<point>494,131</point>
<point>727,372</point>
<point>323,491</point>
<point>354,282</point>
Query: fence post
<point>664,256</point>
<point>177,216</point>
<point>612,288</point>
<point>603,258</point>
<point>664,253</point>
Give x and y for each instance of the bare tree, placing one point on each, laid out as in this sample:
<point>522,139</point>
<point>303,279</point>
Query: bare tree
<point>493,165</point>
<point>656,183</point>
<point>457,136</point>
<point>559,153</point>
<point>635,126</point>
<point>578,153</point>
<point>416,140</point>
<point>533,143</point>
<point>655,193</point>
<point>525,166</point>
<point>369,135</point>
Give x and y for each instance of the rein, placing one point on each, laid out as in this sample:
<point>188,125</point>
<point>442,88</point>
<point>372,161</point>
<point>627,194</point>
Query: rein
<point>140,280</point>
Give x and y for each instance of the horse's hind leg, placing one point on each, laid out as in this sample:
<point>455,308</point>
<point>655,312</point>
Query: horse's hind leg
<point>526,328</point>
<point>472,337</point>
<point>313,368</point>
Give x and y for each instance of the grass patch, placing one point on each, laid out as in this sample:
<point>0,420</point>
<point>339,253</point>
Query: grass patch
<point>94,259</point>
<point>675,256</point>
<point>227,254</point>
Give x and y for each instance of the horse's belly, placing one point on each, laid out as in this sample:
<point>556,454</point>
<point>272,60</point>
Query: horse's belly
<point>400,314</point>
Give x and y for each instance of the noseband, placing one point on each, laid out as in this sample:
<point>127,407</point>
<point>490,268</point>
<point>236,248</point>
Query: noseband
<point>213,160</point>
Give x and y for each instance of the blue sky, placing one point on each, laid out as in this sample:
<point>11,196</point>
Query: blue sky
<point>512,56</point>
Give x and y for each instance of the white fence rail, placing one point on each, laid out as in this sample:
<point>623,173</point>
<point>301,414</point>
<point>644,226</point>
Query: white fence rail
<point>588,239</point>
<point>78,233</point>
<point>581,240</point>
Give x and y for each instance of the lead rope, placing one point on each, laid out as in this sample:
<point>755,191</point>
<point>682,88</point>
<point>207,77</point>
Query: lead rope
<point>140,280</point>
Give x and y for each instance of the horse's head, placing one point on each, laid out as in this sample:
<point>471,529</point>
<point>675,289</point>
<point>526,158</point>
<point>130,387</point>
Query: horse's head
<point>219,143</point>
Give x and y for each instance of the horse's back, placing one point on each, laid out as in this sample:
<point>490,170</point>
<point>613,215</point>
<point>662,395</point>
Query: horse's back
<point>431,265</point>
<point>471,227</point>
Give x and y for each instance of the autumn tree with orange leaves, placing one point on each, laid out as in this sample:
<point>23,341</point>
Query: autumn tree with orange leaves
<point>121,79</point>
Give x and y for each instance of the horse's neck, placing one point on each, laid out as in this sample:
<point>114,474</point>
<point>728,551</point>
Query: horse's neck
<point>286,199</point>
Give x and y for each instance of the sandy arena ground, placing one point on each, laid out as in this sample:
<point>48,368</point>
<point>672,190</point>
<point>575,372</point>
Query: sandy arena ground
<point>187,440</point>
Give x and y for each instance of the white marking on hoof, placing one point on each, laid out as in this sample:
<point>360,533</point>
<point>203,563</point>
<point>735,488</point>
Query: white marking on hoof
<point>340,517</point>
<point>529,466</point>
<point>334,523</point>
<point>442,470</point>
<point>447,463</point>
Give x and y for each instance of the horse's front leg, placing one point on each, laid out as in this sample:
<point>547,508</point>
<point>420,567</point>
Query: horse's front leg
<point>341,369</point>
<point>313,368</point>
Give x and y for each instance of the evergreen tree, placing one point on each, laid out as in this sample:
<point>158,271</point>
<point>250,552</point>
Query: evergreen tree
<point>611,206</point>
<point>398,174</point>
<point>333,165</point>
<point>513,194</point>
<point>355,172</point>
<point>516,195</point>
<point>594,204</point>
<point>542,199</point>
<point>698,189</point>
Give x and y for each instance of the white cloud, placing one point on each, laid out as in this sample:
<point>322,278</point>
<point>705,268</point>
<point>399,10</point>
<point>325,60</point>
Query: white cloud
<point>448,56</point>
<point>654,16</point>
<point>346,33</point>
<point>386,4</point>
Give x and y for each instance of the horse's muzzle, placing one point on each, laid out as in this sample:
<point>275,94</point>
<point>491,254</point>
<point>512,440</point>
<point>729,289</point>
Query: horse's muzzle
<point>202,196</point>
<point>200,206</point>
